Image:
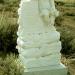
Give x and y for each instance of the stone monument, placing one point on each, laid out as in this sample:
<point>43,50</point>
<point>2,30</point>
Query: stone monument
<point>38,41</point>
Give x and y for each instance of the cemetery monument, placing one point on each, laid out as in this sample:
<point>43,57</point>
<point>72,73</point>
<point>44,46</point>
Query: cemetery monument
<point>38,41</point>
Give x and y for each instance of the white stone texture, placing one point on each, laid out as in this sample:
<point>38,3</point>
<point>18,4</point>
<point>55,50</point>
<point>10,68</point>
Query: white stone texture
<point>38,41</point>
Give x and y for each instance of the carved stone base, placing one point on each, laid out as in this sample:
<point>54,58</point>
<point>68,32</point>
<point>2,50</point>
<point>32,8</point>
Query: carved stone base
<point>47,70</point>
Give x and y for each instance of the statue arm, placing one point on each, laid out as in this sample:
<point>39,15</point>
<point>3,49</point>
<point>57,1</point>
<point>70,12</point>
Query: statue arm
<point>47,7</point>
<point>47,10</point>
<point>53,10</point>
<point>44,7</point>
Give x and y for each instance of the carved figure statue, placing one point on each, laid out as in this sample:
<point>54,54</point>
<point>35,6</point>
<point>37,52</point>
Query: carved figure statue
<point>38,41</point>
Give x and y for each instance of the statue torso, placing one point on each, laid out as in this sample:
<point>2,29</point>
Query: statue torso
<point>31,20</point>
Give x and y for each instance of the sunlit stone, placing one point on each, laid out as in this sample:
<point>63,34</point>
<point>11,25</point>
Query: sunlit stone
<point>38,41</point>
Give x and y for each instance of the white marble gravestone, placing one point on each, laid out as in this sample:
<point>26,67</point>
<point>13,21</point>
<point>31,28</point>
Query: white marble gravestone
<point>38,41</point>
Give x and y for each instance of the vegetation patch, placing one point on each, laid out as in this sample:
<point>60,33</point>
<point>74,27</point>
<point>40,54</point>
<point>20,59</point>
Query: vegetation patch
<point>10,65</point>
<point>65,24</point>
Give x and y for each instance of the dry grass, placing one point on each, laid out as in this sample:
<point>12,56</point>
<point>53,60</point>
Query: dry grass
<point>66,1</point>
<point>70,64</point>
<point>65,24</point>
<point>10,65</point>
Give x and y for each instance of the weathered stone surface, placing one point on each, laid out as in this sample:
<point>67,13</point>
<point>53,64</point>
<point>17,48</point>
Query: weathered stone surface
<point>47,70</point>
<point>38,41</point>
